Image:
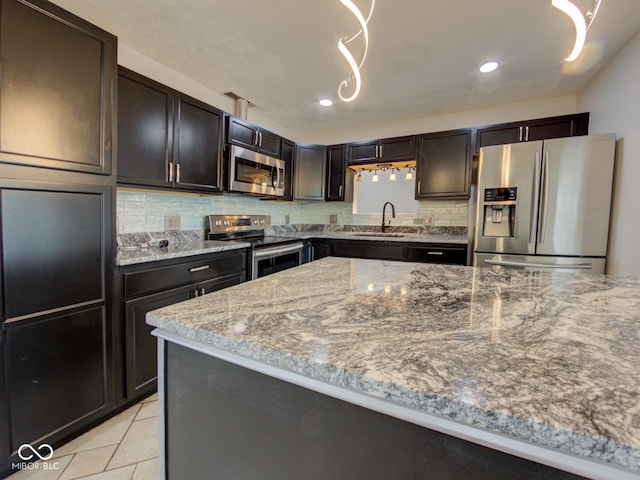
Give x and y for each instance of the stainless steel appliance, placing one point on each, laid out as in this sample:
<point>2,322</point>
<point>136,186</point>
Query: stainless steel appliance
<point>253,172</point>
<point>545,205</point>
<point>269,254</point>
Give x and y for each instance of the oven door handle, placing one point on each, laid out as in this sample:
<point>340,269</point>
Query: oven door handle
<point>272,252</point>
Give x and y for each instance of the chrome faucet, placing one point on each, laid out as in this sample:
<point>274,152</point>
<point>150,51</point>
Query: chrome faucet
<point>393,213</point>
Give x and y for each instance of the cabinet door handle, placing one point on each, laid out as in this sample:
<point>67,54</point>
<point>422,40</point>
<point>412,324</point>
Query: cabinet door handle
<point>419,191</point>
<point>255,141</point>
<point>381,150</point>
<point>199,269</point>
<point>170,172</point>
<point>340,191</point>
<point>193,294</point>
<point>202,291</point>
<point>526,134</point>
<point>259,139</point>
<point>177,173</point>
<point>520,135</point>
<point>377,146</point>
<point>435,253</point>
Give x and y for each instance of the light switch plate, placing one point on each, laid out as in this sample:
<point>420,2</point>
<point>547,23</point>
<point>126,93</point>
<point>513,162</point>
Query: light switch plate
<point>172,222</point>
<point>333,218</point>
<point>287,219</point>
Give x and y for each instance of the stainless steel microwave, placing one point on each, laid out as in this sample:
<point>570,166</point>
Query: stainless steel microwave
<point>253,172</point>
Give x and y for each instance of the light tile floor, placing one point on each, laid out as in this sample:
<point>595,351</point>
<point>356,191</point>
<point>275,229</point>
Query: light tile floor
<point>124,447</point>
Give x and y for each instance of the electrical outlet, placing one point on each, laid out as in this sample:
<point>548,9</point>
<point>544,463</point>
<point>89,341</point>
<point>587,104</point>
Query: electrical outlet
<point>418,221</point>
<point>172,222</point>
<point>429,220</point>
<point>333,218</point>
<point>287,219</point>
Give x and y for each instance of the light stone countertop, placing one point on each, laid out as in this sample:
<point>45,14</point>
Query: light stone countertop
<point>546,358</point>
<point>388,237</point>
<point>136,255</point>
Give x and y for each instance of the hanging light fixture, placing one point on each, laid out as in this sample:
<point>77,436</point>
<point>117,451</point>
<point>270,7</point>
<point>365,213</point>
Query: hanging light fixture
<point>581,21</point>
<point>392,177</point>
<point>354,76</point>
<point>359,177</point>
<point>409,175</point>
<point>375,176</point>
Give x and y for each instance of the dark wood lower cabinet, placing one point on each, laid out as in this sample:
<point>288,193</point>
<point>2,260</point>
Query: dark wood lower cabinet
<point>140,344</point>
<point>56,316</point>
<point>5,438</point>
<point>150,286</point>
<point>445,253</point>
<point>450,254</point>
<point>57,372</point>
<point>367,249</point>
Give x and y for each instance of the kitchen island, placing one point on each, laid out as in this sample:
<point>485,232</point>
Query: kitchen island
<point>350,368</point>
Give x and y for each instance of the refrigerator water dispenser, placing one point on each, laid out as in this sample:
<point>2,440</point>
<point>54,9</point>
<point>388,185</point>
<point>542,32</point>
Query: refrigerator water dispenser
<point>499,212</point>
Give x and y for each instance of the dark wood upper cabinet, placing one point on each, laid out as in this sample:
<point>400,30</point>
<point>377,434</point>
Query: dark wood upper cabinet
<point>382,151</point>
<point>56,91</point>
<point>145,130</point>
<point>444,165</point>
<point>288,151</point>
<point>165,138</point>
<point>310,166</point>
<point>530,130</point>
<point>197,145</point>
<point>247,135</point>
<point>336,173</point>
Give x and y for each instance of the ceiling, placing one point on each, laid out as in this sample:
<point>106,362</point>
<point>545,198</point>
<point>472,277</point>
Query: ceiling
<point>282,56</point>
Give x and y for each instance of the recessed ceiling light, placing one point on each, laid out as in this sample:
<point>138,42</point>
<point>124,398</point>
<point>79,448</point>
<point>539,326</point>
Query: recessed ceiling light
<point>489,67</point>
<point>325,102</point>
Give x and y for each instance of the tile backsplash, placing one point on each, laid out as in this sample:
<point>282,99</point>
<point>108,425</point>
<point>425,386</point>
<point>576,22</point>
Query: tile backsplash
<point>145,211</point>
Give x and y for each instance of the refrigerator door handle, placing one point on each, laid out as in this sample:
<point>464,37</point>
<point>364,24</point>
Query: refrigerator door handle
<point>536,199</point>
<point>506,263</point>
<point>545,197</point>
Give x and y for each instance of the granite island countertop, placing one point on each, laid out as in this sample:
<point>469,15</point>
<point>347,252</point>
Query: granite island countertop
<point>549,359</point>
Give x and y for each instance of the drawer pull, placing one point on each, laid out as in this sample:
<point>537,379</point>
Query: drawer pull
<point>435,253</point>
<point>199,269</point>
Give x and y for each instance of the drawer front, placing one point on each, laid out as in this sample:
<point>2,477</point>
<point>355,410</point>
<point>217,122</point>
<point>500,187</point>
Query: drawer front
<point>456,255</point>
<point>193,271</point>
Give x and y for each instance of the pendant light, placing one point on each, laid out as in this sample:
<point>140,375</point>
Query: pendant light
<point>392,177</point>
<point>375,176</point>
<point>581,22</point>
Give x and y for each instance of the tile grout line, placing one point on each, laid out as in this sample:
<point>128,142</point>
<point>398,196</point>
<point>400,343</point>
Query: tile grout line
<point>73,455</point>
<point>106,467</point>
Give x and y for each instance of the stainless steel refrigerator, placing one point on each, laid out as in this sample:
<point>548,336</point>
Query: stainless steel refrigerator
<point>545,205</point>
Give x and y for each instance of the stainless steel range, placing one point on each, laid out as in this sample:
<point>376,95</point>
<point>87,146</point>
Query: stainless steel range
<point>269,254</point>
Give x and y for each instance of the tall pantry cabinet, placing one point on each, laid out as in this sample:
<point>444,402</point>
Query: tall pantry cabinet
<point>57,143</point>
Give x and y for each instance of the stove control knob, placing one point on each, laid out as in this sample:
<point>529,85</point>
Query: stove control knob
<point>262,221</point>
<point>217,223</point>
<point>226,223</point>
<point>255,221</point>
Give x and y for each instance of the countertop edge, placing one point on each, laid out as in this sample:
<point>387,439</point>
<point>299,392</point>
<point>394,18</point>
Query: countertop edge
<point>544,455</point>
<point>152,254</point>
